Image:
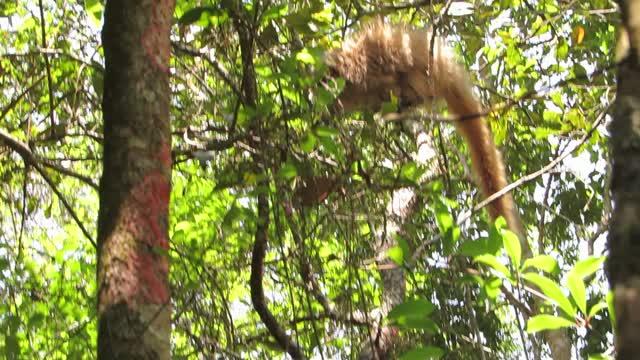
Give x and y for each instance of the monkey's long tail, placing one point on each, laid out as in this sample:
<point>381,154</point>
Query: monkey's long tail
<point>487,162</point>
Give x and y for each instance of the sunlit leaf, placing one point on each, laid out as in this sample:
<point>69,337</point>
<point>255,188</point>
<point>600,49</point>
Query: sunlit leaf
<point>588,266</point>
<point>545,263</point>
<point>411,172</point>
<point>512,246</point>
<point>182,226</point>
<point>94,8</point>
<point>325,15</point>
<point>396,254</point>
<point>543,132</point>
<point>494,263</point>
<point>578,291</point>
<point>552,290</point>
<point>305,57</point>
<point>547,322</point>
<point>599,357</point>
<point>562,49</point>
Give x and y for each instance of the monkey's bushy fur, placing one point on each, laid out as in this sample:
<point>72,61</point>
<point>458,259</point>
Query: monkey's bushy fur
<point>383,59</point>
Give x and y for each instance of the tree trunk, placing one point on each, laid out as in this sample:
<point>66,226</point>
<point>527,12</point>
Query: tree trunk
<point>623,265</point>
<point>133,294</point>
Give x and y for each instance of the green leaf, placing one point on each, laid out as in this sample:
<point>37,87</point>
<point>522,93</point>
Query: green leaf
<point>304,56</point>
<point>553,291</point>
<point>599,357</point>
<point>182,226</point>
<point>274,12</point>
<point>551,7</point>
<point>288,171</point>
<point>308,142</point>
<point>95,10</point>
<point>545,263</point>
<point>512,246</point>
<point>444,218</point>
<point>399,253</point>
<point>550,116</point>
<point>390,106</point>
<point>541,132</point>
<point>588,266</point>
<point>410,172</point>
<point>192,15</point>
<point>419,323</point>
<point>492,287</point>
<point>323,97</point>
<point>556,98</point>
<point>323,16</point>
<point>396,254</point>
<point>562,49</point>
<point>578,291</point>
<point>579,72</point>
<point>494,263</point>
<point>494,241</point>
<point>597,308</point>
<point>547,322</point>
<point>325,131</point>
<point>300,20</point>
<point>446,225</point>
<point>473,248</point>
<point>417,308</point>
<point>423,353</point>
<point>330,146</point>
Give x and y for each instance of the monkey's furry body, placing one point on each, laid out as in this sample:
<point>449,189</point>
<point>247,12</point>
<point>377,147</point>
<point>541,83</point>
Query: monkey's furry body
<point>414,66</point>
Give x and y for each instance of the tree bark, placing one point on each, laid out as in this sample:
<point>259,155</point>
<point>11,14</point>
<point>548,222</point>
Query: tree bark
<point>623,265</point>
<point>133,293</point>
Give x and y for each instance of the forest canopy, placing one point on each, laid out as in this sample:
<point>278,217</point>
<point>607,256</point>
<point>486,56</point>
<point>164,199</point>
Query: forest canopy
<point>377,239</point>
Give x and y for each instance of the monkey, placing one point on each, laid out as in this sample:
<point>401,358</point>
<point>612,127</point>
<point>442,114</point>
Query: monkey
<point>417,67</point>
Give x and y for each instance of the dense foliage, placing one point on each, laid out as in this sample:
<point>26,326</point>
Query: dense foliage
<point>543,68</point>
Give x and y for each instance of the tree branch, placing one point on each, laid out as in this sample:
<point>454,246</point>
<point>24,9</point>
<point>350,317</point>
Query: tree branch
<point>29,158</point>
